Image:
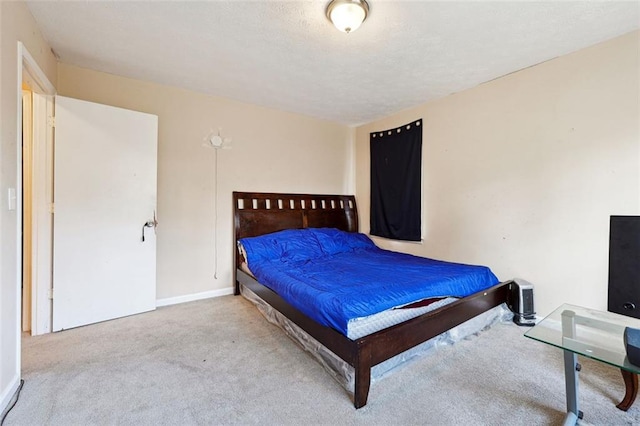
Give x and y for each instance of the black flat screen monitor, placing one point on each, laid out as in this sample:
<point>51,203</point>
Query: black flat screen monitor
<point>624,265</point>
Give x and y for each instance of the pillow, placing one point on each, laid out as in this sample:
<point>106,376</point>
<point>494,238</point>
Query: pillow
<point>291,245</point>
<point>333,241</point>
<point>242,252</point>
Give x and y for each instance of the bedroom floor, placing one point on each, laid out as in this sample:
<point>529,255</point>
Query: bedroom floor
<point>217,361</point>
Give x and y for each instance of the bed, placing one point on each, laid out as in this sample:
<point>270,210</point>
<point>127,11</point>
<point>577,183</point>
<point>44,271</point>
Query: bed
<point>257,214</point>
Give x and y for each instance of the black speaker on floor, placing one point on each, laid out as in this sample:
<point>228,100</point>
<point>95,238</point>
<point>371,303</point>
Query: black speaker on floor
<point>624,265</point>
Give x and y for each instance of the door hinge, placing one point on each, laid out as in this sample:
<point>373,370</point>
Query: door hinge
<point>50,294</point>
<point>52,208</point>
<point>51,121</point>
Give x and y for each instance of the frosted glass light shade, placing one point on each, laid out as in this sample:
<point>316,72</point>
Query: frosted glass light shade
<point>347,15</point>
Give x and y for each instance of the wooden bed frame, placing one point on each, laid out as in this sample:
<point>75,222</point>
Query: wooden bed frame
<point>262,213</point>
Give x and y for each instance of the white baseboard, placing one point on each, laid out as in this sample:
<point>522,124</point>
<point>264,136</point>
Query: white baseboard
<point>192,297</point>
<point>8,392</point>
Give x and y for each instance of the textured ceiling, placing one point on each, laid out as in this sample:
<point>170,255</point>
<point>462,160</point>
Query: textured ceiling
<point>287,55</point>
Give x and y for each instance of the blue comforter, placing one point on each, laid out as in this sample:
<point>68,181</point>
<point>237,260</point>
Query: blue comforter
<point>334,276</point>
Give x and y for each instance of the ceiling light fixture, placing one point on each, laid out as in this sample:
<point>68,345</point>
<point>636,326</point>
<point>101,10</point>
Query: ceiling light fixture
<point>347,15</point>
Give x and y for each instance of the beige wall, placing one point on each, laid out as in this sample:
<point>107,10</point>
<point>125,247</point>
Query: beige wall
<point>522,173</point>
<point>272,151</point>
<point>16,24</point>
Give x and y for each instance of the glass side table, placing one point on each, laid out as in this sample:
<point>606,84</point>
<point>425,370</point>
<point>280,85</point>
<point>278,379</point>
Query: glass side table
<point>594,334</point>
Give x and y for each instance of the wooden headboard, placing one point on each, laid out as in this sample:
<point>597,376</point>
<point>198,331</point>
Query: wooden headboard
<point>259,213</point>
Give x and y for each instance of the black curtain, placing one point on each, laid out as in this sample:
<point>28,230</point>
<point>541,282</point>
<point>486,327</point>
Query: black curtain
<point>396,162</point>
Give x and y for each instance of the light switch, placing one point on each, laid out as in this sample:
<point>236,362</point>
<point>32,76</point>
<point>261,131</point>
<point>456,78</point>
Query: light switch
<point>12,199</point>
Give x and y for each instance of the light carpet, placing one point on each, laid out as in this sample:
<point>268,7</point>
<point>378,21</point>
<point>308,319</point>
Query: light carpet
<point>218,361</point>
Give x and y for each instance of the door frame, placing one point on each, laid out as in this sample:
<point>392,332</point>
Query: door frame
<point>42,214</point>
<point>29,69</point>
<point>27,197</point>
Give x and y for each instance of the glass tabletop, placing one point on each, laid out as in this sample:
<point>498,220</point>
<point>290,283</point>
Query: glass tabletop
<point>588,332</point>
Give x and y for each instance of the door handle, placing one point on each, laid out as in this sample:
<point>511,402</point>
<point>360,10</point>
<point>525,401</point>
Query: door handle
<point>150,224</point>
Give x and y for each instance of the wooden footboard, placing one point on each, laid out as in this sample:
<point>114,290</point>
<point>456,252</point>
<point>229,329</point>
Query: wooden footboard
<point>378,347</point>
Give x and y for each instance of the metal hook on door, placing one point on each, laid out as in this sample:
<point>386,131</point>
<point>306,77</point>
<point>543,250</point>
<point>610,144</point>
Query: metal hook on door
<point>150,224</point>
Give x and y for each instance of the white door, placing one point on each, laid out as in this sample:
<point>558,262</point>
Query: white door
<point>104,192</point>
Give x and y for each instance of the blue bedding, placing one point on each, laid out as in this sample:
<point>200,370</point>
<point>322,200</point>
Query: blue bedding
<point>334,276</point>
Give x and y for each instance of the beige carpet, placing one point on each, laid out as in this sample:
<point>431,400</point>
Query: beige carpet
<point>218,361</point>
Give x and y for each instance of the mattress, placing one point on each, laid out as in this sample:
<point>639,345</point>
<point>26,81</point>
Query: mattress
<point>363,326</point>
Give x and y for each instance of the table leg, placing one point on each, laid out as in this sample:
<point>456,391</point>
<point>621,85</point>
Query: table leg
<point>631,389</point>
<point>571,386</point>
